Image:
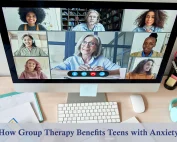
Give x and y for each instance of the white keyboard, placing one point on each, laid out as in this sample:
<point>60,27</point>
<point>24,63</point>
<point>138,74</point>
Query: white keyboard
<point>99,112</point>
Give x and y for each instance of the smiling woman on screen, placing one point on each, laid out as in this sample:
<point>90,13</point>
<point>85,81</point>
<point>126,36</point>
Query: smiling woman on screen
<point>32,17</point>
<point>88,57</point>
<point>32,70</point>
<point>151,21</point>
<point>29,48</point>
<point>148,45</point>
<point>142,70</point>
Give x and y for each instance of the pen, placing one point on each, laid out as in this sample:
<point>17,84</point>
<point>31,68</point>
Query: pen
<point>174,65</point>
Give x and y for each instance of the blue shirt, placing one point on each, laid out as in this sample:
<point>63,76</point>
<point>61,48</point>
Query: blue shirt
<point>83,27</point>
<point>143,54</point>
<point>143,29</point>
<point>73,63</point>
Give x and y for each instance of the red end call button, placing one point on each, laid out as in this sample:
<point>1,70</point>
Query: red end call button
<point>93,73</point>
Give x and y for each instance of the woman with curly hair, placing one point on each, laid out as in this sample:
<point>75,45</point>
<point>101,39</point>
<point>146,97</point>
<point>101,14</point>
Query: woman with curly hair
<point>33,17</point>
<point>142,70</point>
<point>29,47</point>
<point>32,70</point>
<point>151,21</point>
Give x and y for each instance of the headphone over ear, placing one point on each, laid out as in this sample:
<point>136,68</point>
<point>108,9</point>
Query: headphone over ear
<point>173,110</point>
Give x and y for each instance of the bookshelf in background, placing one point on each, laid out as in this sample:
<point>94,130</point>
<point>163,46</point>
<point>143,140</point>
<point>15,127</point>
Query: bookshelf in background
<point>111,19</point>
<point>72,17</point>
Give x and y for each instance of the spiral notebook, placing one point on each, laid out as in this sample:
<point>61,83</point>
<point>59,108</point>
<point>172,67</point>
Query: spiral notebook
<point>16,98</point>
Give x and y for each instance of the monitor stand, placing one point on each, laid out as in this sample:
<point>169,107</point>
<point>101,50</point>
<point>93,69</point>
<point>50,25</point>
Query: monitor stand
<point>77,98</point>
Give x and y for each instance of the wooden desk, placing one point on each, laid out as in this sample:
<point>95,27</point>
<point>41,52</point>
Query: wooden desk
<point>156,103</point>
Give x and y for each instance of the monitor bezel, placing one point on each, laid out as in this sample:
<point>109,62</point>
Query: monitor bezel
<point>89,4</point>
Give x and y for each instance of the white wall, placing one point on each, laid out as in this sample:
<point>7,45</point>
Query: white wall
<point>130,16</point>
<point>57,52</point>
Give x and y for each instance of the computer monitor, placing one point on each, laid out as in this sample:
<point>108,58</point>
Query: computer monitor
<point>53,46</point>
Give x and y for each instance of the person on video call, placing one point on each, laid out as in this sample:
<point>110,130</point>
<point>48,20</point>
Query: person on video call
<point>142,70</point>
<point>148,45</point>
<point>32,70</point>
<point>33,17</point>
<point>92,22</point>
<point>88,57</point>
<point>29,48</point>
<point>151,21</point>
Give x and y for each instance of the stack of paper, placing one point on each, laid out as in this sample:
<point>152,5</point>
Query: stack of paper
<point>21,107</point>
<point>22,113</point>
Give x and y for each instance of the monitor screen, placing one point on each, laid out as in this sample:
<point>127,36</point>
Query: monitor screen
<point>88,42</point>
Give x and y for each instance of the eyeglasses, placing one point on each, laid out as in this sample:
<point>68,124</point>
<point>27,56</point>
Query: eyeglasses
<point>93,17</point>
<point>89,43</point>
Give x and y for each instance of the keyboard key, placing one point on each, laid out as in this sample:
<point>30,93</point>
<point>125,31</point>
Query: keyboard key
<point>60,108</point>
<point>88,121</point>
<point>88,114</point>
<point>115,116</point>
<point>60,112</point>
<point>70,118</point>
<point>114,106</point>
<point>61,115</point>
<point>60,119</point>
<point>99,117</point>
<point>94,104</point>
<point>86,118</point>
<point>100,121</point>
<point>109,120</point>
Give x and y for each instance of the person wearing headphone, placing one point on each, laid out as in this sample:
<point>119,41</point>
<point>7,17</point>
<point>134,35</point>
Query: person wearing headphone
<point>92,22</point>
<point>29,47</point>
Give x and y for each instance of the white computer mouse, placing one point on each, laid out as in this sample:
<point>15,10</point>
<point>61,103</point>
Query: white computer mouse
<point>137,103</point>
